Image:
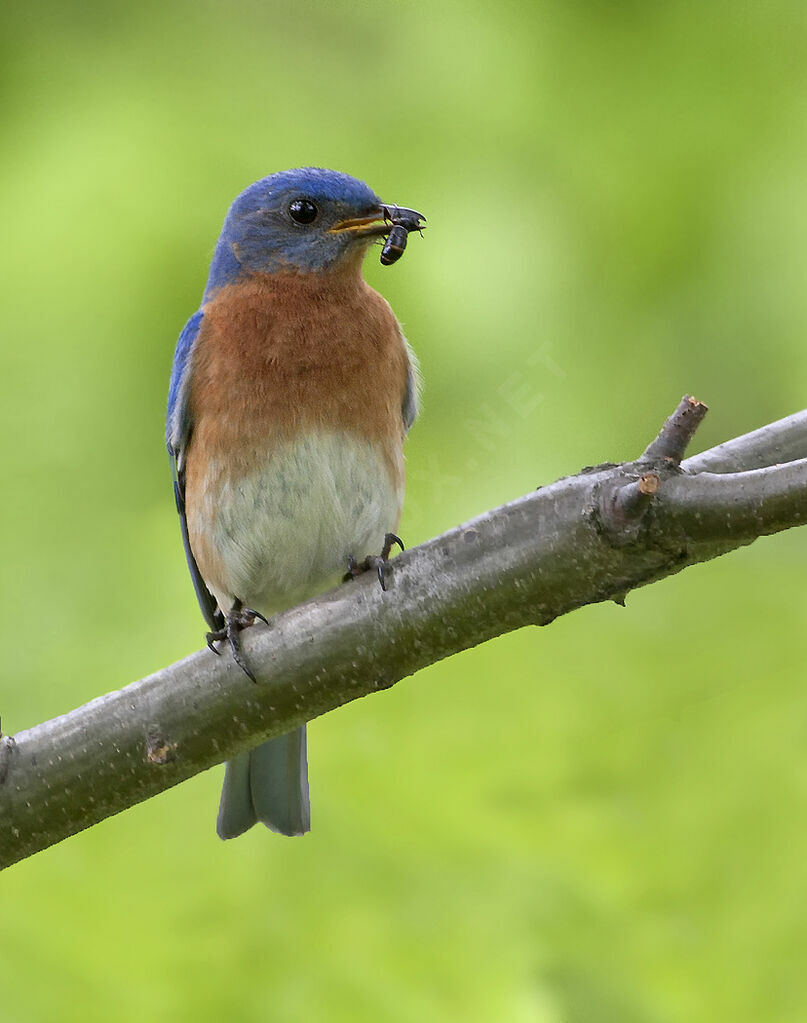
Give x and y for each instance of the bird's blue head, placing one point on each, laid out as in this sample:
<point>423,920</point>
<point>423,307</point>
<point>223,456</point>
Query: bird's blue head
<point>300,221</point>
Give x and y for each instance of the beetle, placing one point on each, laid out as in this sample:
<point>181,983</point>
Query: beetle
<point>403,221</point>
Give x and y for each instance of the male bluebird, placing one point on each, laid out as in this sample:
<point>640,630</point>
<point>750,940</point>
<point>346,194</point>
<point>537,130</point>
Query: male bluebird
<point>291,393</point>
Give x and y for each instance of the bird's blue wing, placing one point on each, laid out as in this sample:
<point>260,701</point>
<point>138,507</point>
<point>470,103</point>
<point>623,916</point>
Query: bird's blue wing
<point>411,398</point>
<point>177,434</point>
<point>177,426</point>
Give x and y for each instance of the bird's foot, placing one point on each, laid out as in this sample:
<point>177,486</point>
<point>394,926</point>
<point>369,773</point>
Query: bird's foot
<point>236,619</point>
<point>374,561</point>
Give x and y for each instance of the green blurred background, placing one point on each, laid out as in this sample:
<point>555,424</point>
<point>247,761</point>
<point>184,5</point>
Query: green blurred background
<point>600,821</point>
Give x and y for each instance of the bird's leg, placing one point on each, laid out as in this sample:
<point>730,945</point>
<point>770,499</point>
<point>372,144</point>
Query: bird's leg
<point>376,561</point>
<point>236,619</point>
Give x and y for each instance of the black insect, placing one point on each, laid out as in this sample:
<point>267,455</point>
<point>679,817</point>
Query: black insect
<point>403,221</point>
<point>394,245</point>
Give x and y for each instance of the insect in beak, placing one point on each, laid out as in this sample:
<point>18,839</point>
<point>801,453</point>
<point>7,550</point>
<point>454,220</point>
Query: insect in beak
<point>393,221</point>
<point>403,221</point>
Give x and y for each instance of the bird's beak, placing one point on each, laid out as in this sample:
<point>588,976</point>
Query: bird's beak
<point>381,222</point>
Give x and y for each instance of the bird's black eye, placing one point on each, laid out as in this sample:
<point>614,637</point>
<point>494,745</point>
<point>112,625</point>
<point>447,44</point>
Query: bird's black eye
<point>303,211</point>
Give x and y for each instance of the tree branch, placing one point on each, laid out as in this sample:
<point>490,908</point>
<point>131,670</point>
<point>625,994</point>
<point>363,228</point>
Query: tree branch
<point>586,538</point>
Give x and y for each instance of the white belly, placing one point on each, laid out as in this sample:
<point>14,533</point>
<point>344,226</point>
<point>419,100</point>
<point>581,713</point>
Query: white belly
<point>286,531</point>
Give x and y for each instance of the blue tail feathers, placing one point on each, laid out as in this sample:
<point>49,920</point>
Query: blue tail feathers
<point>267,784</point>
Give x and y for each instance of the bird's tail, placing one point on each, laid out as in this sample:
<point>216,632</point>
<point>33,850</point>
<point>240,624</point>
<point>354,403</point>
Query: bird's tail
<point>267,784</point>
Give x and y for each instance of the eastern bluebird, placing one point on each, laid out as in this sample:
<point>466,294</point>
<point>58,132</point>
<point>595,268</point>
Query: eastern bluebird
<point>291,392</point>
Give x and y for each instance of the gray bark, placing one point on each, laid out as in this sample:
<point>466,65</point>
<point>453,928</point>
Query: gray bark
<point>585,538</point>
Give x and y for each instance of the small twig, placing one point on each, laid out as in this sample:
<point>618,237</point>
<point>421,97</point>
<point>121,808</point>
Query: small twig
<point>677,432</point>
<point>728,506</point>
<point>782,441</point>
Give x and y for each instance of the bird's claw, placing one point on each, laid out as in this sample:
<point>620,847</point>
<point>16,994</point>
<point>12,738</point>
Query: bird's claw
<point>390,539</point>
<point>254,614</point>
<point>376,561</point>
<point>236,619</point>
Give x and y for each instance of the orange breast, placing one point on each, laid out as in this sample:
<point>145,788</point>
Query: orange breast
<point>279,356</point>
<point>282,353</point>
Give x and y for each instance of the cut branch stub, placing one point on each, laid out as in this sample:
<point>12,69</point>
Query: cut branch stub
<point>622,505</point>
<point>677,432</point>
<point>634,498</point>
